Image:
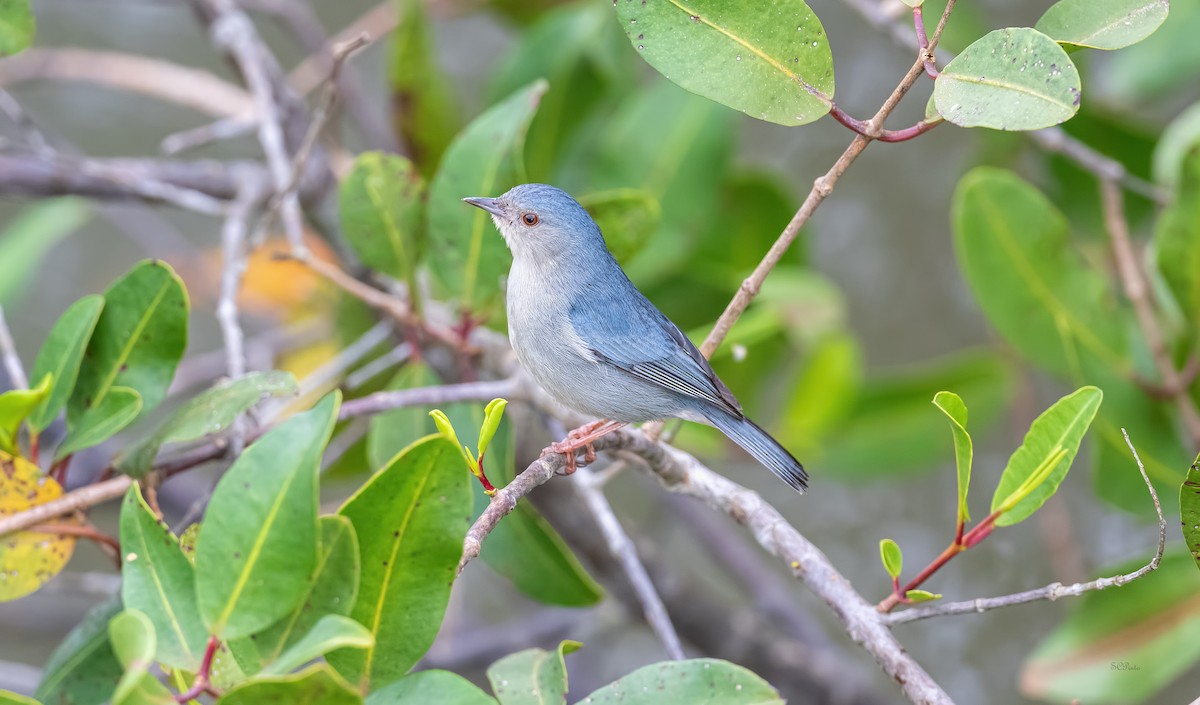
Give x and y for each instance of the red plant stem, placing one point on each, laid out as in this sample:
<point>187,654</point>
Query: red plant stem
<point>86,531</point>
<point>33,447</point>
<point>487,485</point>
<point>960,544</point>
<point>923,42</point>
<point>200,684</point>
<point>861,128</point>
<point>59,470</point>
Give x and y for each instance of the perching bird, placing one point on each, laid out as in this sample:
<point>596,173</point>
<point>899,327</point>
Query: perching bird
<point>595,343</point>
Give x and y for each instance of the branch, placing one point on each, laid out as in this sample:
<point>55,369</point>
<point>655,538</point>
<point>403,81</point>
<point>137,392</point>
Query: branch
<point>8,353</point>
<point>682,473</point>
<point>590,490</point>
<point>1052,591</point>
<point>1137,289</point>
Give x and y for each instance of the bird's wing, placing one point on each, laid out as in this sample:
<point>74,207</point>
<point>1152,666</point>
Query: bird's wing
<point>621,327</point>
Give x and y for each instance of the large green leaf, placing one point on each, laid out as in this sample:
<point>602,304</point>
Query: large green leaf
<point>333,631</point>
<point>532,676</point>
<point>15,406</point>
<point>823,394</point>
<point>1161,65</point>
<point>30,236</point>
<point>7,697</point>
<point>137,343</point>
<point>702,681</point>
<point>134,642</point>
<point>891,428</point>
<point>158,580</point>
<point>393,431</point>
<point>1189,510</point>
<point>258,544</point>
<point>524,547</point>
<point>466,254</point>
<point>580,50</point>
<point>316,685</point>
<point>118,409</point>
<point>330,590</point>
<point>1178,239</point>
<point>626,217</point>
<point>424,687</point>
<point>1102,24</point>
<point>1011,79</point>
<point>955,410</point>
<point>1034,469</point>
<point>770,60</point>
<point>410,519</point>
<point>1123,644</point>
<point>83,669</point>
<point>423,107</point>
<point>61,356</point>
<point>1015,253</point>
<point>382,204</point>
<point>204,414</point>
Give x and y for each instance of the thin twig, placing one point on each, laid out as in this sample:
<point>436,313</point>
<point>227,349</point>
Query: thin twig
<point>1137,289</point>
<point>233,251</point>
<point>8,353</point>
<point>85,531</point>
<point>223,129</point>
<point>1052,591</point>
<point>622,548</point>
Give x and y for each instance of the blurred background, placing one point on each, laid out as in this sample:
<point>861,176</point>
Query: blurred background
<point>872,288</point>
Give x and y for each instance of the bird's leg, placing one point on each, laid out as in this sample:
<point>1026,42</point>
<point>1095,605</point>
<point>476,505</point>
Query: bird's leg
<point>583,437</point>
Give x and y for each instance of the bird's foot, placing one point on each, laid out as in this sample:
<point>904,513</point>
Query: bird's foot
<point>582,438</point>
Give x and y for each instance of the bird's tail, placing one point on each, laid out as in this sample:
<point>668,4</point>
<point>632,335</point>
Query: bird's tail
<point>763,447</point>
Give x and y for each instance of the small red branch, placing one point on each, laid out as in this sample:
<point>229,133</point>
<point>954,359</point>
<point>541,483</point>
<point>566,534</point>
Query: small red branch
<point>487,485</point>
<point>33,447</point>
<point>200,685</point>
<point>59,470</point>
<point>961,543</point>
<point>885,135</point>
<point>86,531</point>
<point>923,43</point>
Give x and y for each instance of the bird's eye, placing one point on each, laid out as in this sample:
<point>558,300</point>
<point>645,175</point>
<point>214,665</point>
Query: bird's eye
<point>530,219</point>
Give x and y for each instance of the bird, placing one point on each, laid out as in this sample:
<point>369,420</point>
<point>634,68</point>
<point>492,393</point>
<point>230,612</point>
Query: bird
<point>596,344</point>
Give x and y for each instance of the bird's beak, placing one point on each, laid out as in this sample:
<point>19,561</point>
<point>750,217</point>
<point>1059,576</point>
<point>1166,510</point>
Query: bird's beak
<point>490,205</point>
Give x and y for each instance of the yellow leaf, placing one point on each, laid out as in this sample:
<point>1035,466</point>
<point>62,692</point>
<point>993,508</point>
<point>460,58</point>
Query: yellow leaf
<point>28,559</point>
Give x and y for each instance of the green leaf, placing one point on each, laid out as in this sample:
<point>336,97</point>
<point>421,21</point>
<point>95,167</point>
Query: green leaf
<point>393,431</point>
<point>157,580</point>
<point>769,60</point>
<point>61,356</point>
<point>1189,510</point>
<point>204,414</point>
<point>118,409</point>
<point>1059,428</point>
<point>467,255</point>
<point>330,590</point>
<point>1015,253</point>
<point>1123,644</point>
<point>1177,237</point>
<point>331,632</point>
<point>16,26</point>
<point>15,406</point>
<point>133,641</point>
<point>440,687</point>
<point>258,543</point>
<point>1179,138</point>
<point>316,685</point>
<point>955,410</point>
<point>7,697</point>
<point>892,557</point>
<point>919,596</point>
<point>410,518</point>
<point>1161,66</point>
<point>493,414</point>
<point>1102,24</point>
<point>382,203</point>
<point>702,681</point>
<point>533,676</point>
<point>1011,79</point>
<point>83,669</point>
<point>890,431</point>
<point>627,217</point>
<point>423,107</point>
<point>824,392</point>
<point>137,343</point>
<point>524,547</point>
<point>31,235</point>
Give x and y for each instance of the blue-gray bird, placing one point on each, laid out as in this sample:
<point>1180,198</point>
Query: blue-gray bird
<point>595,343</point>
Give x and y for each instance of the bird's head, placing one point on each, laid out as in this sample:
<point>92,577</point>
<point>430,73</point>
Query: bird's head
<point>537,220</point>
